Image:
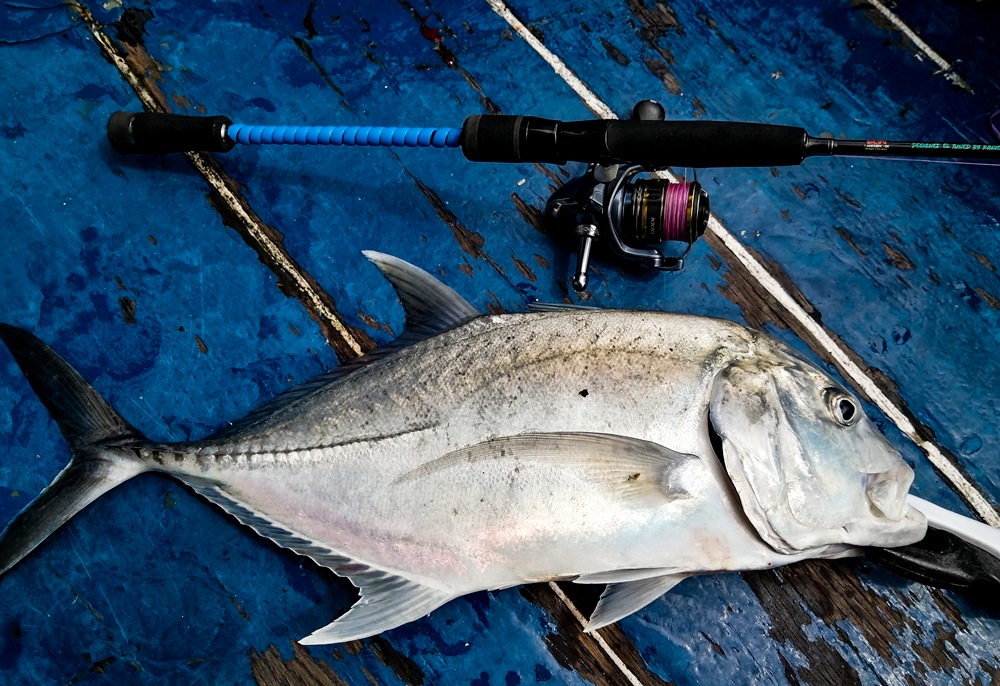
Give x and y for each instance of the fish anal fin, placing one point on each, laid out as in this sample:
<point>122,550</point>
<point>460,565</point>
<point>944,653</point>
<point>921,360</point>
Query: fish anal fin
<point>622,599</point>
<point>324,556</point>
<point>387,601</point>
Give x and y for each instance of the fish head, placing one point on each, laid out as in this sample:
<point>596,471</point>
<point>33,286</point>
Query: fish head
<point>809,466</point>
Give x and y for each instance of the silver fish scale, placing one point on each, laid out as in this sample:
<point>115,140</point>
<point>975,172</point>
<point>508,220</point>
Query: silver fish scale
<point>503,366</point>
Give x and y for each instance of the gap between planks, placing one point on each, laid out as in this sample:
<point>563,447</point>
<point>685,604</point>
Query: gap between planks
<point>850,369</point>
<point>619,663</point>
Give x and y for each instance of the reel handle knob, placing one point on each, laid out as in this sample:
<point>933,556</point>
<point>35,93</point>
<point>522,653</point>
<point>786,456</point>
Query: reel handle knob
<point>587,234</point>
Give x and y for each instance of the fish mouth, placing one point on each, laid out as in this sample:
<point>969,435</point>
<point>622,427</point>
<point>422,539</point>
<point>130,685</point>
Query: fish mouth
<point>887,491</point>
<point>716,440</point>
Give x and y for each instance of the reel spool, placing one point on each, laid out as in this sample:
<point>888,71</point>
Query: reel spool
<point>656,211</point>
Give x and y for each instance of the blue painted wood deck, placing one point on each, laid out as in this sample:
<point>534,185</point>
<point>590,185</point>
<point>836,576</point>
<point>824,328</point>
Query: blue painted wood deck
<point>155,286</point>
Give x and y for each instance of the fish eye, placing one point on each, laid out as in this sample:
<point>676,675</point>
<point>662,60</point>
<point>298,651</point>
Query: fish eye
<point>844,408</point>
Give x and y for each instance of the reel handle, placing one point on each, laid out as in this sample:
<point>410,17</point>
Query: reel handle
<point>587,233</point>
<point>151,132</point>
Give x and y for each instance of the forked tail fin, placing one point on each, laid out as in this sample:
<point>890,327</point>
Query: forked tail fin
<point>96,435</point>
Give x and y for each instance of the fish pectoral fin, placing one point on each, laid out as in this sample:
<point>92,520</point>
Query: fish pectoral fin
<point>641,472</point>
<point>387,601</point>
<point>621,600</point>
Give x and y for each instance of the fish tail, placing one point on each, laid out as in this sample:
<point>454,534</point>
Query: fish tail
<point>100,442</point>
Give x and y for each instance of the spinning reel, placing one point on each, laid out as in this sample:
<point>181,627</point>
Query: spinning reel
<point>633,215</point>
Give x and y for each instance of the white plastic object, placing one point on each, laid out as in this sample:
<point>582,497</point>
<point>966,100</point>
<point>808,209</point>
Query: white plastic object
<point>975,532</point>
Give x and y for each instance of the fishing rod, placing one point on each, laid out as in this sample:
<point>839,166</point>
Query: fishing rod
<point>633,215</point>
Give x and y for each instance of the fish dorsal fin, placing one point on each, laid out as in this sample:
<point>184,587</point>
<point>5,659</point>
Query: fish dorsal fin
<point>286,398</point>
<point>621,600</point>
<point>387,600</point>
<point>431,307</point>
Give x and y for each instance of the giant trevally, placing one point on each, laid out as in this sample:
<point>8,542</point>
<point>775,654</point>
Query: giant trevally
<point>625,448</point>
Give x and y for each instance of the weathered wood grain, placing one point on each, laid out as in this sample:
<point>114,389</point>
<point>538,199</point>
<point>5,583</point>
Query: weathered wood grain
<point>270,669</point>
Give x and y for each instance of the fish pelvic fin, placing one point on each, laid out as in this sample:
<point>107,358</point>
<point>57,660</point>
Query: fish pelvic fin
<point>622,599</point>
<point>99,440</point>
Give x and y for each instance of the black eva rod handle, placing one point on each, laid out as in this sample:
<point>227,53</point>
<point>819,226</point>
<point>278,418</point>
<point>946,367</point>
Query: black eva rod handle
<point>502,138</point>
<point>151,132</point>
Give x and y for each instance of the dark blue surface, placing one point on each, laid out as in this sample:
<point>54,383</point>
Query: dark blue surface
<point>176,592</point>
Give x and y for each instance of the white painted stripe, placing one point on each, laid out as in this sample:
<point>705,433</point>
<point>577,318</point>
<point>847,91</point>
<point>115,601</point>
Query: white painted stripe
<point>932,55</point>
<point>628,674</point>
<point>217,183</point>
<point>593,103</point>
<point>823,339</point>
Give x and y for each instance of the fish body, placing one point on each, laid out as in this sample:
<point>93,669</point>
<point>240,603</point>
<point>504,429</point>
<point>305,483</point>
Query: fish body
<point>364,460</point>
<point>497,450</point>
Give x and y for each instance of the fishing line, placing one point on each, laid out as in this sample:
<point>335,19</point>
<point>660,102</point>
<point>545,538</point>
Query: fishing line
<point>926,160</point>
<point>675,210</point>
